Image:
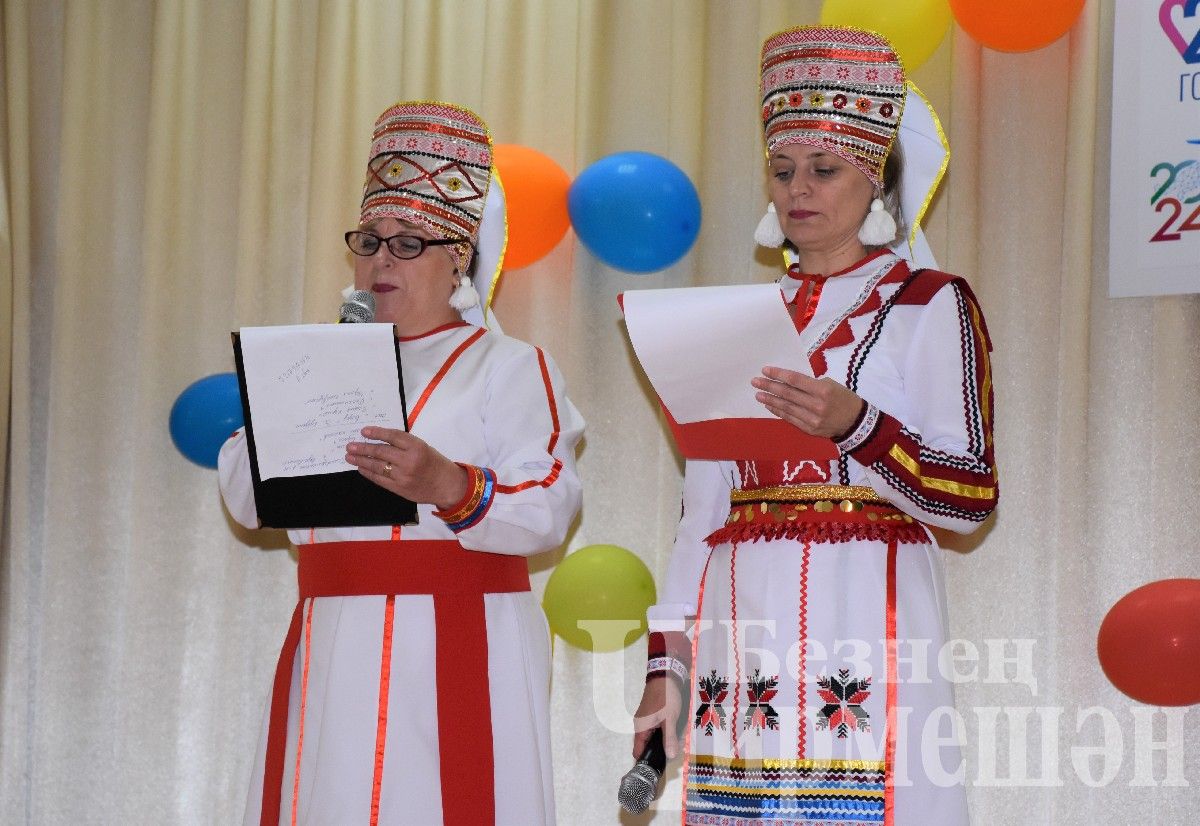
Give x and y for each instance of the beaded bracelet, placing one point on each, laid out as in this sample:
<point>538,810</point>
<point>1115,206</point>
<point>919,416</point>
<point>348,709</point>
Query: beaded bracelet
<point>666,665</point>
<point>475,487</point>
<point>480,505</point>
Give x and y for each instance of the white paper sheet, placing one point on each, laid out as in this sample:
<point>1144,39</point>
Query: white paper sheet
<point>313,387</point>
<point>700,346</point>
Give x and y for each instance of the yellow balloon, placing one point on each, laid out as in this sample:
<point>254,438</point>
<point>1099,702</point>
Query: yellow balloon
<point>597,597</point>
<point>914,27</point>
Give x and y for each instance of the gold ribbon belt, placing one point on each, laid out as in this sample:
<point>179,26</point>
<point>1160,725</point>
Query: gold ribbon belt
<point>820,513</point>
<point>845,496</point>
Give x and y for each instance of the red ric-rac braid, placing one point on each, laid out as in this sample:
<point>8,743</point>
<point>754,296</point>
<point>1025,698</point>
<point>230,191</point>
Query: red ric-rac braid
<point>802,664</point>
<point>737,657</point>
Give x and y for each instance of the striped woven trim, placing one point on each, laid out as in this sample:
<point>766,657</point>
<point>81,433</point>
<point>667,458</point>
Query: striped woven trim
<point>663,665</point>
<point>728,790</point>
<point>805,493</point>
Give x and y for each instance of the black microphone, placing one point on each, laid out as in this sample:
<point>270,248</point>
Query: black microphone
<point>640,784</point>
<point>358,308</point>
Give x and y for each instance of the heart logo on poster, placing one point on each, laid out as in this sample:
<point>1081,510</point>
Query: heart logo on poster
<point>1189,51</point>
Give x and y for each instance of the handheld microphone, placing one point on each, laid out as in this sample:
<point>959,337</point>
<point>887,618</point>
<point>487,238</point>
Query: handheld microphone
<point>359,308</point>
<point>640,784</point>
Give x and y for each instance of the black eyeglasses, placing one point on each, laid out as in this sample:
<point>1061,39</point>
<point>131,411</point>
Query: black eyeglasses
<point>401,246</point>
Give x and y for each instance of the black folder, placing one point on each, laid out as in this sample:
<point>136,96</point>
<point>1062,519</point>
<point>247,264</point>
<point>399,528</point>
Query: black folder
<point>322,500</point>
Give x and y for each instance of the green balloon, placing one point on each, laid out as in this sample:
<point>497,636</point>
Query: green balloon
<point>597,597</point>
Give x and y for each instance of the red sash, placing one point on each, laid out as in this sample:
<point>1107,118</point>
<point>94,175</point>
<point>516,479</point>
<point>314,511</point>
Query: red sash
<point>457,579</point>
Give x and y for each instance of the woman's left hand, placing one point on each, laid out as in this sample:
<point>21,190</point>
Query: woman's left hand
<point>819,407</point>
<point>408,467</point>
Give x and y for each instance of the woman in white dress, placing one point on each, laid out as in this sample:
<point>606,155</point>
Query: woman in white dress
<point>797,635</point>
<point>413,685</point>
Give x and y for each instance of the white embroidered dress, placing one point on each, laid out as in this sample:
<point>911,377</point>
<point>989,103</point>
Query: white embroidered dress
<point>847,604</point>
<point>372,759</point>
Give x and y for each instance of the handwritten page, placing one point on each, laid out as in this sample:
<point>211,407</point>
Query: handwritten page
<point>313,387</point>
<point>700,346</point>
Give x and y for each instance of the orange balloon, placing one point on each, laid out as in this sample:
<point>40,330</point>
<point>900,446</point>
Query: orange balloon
<point>1016,25</point>
<point>535,193</point>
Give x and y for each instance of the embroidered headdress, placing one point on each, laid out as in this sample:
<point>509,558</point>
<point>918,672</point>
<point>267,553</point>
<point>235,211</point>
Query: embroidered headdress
<point>838,89</point>
<point>844,90</point>
<point>430,164</point>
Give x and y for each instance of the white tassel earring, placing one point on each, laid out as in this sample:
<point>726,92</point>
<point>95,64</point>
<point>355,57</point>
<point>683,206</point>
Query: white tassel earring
<point>465,295</point>
<point>769,233</point>
<point>879,227</point>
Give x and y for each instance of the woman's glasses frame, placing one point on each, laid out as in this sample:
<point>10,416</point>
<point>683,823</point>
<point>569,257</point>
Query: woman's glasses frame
<point>404,245</point>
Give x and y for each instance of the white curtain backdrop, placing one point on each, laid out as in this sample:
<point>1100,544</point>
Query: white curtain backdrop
<point>174,169</point>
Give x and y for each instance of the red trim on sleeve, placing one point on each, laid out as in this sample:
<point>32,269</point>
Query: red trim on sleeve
<point>549,399</point>
<point>551,477</point>
<point>556,468</point>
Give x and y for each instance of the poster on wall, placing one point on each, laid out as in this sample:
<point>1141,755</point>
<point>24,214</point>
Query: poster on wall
<point>1154,205</point>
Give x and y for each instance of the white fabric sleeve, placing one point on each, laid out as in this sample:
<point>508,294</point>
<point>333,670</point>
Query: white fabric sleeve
<point>705,508</point>
<point>531,430</point>
<point>938,466</point>
<point>233,476</point>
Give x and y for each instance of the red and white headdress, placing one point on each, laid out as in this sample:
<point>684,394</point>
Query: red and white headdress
<point>844,90</point>
<point>431,164</point>
<point>839,89</point>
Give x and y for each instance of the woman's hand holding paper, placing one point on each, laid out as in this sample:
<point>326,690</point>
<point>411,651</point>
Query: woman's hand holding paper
<point>407,467</point>
<point>819,407</point>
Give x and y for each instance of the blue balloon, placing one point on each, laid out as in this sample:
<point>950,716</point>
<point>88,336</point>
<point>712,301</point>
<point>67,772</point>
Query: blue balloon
<point>635,211</point>
<point>204,416</point>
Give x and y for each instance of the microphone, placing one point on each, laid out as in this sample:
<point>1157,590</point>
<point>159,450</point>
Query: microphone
<point>640,784</point>
<point>358,308</point>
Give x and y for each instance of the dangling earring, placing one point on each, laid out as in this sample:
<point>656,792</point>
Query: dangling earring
<point>464,296</point>
<point>879,227</point>
<point>769,233</point>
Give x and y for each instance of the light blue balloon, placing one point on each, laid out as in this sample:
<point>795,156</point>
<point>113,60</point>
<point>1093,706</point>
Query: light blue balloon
<point>635,211</point>
<point>204,416</point>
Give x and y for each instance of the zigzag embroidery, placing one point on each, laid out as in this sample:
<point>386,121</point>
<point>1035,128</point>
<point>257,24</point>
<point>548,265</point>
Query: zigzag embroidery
<point>724,820</point>
<point>702,819</point>
<point>769,772</point>
<point>860,355</point>
<point>863,297</point>
<point>924,503</point>
<point>957,461</point>
<point>970,387</point>
<point>804,815</point>
<point>438,202</point>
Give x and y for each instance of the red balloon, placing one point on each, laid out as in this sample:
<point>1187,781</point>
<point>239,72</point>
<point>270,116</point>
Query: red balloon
<point>1149,643</point>
<point>1016,25</point>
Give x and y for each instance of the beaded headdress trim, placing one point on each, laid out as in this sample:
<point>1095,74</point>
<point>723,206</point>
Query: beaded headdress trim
<point>839,89</point>
<point>430,164</point>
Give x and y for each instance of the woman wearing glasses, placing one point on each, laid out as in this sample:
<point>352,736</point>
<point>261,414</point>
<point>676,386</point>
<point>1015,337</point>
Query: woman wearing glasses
<point>414,684</point>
